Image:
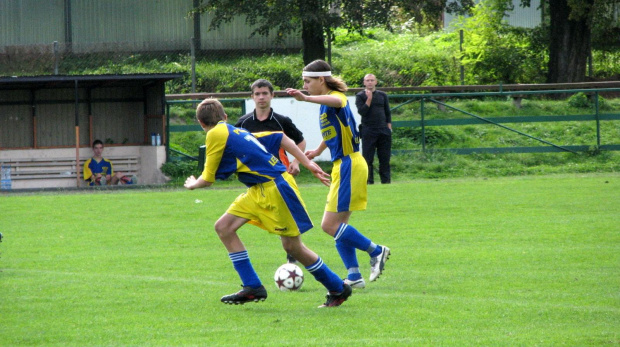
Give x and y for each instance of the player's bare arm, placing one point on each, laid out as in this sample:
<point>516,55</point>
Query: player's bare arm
<point>192,183</point>
<point>317,151</point>
<point>297,94</point>
<point>293,167</point>
<point>290,146</point>
<point>327,100</point>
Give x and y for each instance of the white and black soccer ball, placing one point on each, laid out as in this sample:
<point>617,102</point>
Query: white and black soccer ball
<point>289,277</point>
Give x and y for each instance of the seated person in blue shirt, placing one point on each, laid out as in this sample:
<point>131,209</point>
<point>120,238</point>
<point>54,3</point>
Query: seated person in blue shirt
<point>99,171</point>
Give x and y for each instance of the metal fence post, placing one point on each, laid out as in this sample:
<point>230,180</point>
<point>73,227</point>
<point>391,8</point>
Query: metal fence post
<point>462,68</point>
<point>55,57</point>
<point>598,121</point>
<point>193,52</point>
<point>168,132</point>
<point>422,123</point>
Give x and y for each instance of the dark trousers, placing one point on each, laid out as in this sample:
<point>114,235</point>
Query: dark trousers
<point>379,140</point>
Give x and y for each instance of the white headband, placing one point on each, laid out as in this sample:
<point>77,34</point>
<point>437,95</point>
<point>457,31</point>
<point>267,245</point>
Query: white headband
<point>316,73</point>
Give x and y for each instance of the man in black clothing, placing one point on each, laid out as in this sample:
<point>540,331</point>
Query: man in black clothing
<point>264,119</point>
<point>376,128</point>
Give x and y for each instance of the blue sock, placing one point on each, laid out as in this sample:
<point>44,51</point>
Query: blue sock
<point>347,254</point>
<point>374,251</point>
<point>354,274</point>
<point>351,237</point>
<point>241,263</point>
<point>326,276</point>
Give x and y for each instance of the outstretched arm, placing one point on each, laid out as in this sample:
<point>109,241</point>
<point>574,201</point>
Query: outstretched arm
<point>290,146</point>
<point>327,100</point>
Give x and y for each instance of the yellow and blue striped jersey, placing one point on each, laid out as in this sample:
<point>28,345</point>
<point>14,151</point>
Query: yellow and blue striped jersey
<point>234,150</point>
<point>92,167</point>
<point>339,129</point>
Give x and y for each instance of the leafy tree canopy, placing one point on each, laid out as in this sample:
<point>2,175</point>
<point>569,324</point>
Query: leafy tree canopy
<point>314,18</point>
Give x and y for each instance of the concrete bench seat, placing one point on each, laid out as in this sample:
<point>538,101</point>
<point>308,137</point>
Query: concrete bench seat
<point>50,168</point>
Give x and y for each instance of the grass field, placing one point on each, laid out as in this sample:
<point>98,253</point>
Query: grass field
<point>531,261</point>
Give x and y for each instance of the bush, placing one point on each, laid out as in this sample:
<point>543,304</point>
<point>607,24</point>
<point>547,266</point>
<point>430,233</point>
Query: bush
<point>180,169</point>
<point>579,100</point>
<point>495,52</point>
<point>400,60</point>
<point>188,142</point>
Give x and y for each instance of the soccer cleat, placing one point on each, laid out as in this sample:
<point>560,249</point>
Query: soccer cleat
<point>377,263</point>
<point>359,284</point>
<point>246,294</point>
<point>334,299</point>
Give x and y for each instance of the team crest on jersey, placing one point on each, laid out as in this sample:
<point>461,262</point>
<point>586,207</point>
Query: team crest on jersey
<point>329,133</point>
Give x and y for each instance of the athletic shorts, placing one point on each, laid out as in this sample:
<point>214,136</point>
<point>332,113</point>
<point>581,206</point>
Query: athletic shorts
<point>348,189</point>
<point>275,206</point>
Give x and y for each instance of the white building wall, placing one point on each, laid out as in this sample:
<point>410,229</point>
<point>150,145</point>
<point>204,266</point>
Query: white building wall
<point>527,17</point>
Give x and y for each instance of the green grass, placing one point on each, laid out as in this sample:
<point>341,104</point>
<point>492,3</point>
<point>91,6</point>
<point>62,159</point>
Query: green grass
<point>560,133</point>
<point>517,261</point>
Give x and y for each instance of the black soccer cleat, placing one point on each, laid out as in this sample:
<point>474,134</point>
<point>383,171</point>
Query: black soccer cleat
<point>246,294</point>
<point>336,299</point>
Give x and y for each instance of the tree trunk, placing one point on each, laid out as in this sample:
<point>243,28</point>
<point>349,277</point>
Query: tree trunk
<point>312,31</point>
<point>569,46</point>
<point>314,44</point>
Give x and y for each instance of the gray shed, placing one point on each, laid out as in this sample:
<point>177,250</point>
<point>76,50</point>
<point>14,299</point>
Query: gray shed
<point>48,123</point>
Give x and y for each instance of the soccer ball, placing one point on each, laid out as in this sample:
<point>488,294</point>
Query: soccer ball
<point>289,277</point>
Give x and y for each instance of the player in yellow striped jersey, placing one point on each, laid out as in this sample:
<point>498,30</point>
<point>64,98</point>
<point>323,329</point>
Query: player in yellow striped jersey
<point>348,190</point>
<point>272,200</point>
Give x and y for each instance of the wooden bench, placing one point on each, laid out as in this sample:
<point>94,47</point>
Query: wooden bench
<point>51,168</point>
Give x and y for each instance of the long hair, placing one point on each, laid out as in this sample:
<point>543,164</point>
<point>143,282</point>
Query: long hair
<point>210,112</point>
<point>332,82</point>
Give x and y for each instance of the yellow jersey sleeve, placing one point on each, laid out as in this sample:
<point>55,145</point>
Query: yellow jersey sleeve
<point>86,171</point>
<point>215,145</point>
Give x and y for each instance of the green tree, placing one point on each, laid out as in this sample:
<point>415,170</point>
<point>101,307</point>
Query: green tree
<point>572,24</point>
<point>314,18</point>
<point>606,25</point>
<point>495,52</point>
